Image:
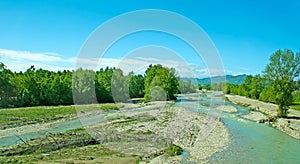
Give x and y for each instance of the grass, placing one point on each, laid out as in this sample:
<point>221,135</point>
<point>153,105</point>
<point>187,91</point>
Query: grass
<point>296,106</point>
<point>77,146</point>
<point>13,117</point>
<point>74,146</point>
<point>52,142</point>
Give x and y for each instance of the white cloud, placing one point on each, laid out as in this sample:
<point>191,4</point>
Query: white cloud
<point>22,60</point>
<point>21,55</point>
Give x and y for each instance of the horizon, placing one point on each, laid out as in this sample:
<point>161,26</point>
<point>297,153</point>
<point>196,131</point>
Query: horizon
<point>245,34</point>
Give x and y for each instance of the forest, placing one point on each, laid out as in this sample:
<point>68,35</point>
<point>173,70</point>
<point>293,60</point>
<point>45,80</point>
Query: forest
<point>39,87</point>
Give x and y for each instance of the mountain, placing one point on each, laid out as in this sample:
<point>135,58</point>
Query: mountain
<point>239,79</point>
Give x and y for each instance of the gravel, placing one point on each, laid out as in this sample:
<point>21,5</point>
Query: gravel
<point>263,111</point>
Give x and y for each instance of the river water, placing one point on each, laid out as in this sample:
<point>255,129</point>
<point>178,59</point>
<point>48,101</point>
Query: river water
<point>250,142</point>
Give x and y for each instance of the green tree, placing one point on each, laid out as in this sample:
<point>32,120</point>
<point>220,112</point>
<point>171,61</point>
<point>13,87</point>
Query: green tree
<point>28,89</point>
<point>200,87</point>
<point>84,86</point>
<point>120,86</point>
<point>230,88</point>
<point>281,71</point>
<point>103,85</point>
<point>207,87</point>
<point>268,94</point>
<point>252,86</point>
<point>160,79</point>
<point>136,86</point>
<point>7,89</point>
<point>187,86</point>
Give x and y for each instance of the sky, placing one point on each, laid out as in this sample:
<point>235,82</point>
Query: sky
<point>51,33</point>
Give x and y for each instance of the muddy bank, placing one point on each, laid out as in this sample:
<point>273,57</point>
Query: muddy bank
<point>263,111</point>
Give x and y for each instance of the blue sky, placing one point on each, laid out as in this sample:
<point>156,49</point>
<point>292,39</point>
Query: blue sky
<point>50,33</point>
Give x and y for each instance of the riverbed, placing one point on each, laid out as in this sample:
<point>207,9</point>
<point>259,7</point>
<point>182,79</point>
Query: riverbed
<point>246,142</point>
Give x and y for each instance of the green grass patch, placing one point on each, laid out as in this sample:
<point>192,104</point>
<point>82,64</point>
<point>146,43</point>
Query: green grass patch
<point>109,106</point>
<point>30,115</point>
<point>13,117</point>
<point>296,105</point>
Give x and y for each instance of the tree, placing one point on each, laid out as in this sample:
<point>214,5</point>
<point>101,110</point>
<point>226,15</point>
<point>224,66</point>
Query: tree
<point>268,94</point>
<point>7,89</point>
<point>160,81</point>
<point>187,87</point>
<point>136,86</point>
<point>120,86</point>
<point>83,86</point>
<point>28,91</point>
<point>281,71</point>
<point>207,86</point>
<point>200,87</point>
<point>103,85</point>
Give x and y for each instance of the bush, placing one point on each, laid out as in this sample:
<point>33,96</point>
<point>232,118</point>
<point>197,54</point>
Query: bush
<point>174,150</point>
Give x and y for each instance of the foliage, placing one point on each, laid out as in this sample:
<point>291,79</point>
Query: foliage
<point>82,86</point>
<point>14,117</point>
<point>120,86</point>
<point>200,87</point>
<point>283,68</point>
<point>218,86</point>
<point>103,85</point>
<point>187,87</point>
<point>174,150</point>
<point>278,85</point>
<point>207,87</point>
<point>136,86</point>
<point>7,89</point>
<point>296,95</point>
<point>35,87</point>
<point>161,83</point>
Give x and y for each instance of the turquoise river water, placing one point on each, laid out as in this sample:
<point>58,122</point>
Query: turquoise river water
<point>250,142</point>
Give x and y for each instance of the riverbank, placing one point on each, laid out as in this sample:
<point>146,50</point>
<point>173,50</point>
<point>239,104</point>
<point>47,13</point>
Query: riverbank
<point>139,132</point>
<point>261,111</point>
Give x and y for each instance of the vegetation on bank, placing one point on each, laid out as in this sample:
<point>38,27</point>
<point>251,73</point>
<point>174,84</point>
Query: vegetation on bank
<point>78,146</point>
<point>68,147</point>
<point>161,83</point>
<point>174,150</point>
<point>279,83</point>
<point>39,87</point>
<point>15,117</point>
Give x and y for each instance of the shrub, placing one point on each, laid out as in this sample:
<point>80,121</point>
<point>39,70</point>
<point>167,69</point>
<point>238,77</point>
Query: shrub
<point>174,150</point>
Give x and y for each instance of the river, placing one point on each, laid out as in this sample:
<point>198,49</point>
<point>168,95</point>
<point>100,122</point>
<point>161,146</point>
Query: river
<point>250,142</point>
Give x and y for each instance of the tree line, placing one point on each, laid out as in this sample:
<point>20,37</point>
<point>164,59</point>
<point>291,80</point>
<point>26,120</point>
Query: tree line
<point>37,87</point>
<point>279,83</point>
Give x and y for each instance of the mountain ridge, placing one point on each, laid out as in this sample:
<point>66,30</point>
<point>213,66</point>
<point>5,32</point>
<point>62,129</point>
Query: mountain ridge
<point>232,79</point>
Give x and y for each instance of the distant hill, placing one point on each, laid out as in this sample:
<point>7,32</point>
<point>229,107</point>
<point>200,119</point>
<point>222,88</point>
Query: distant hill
<point>239,79</point>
